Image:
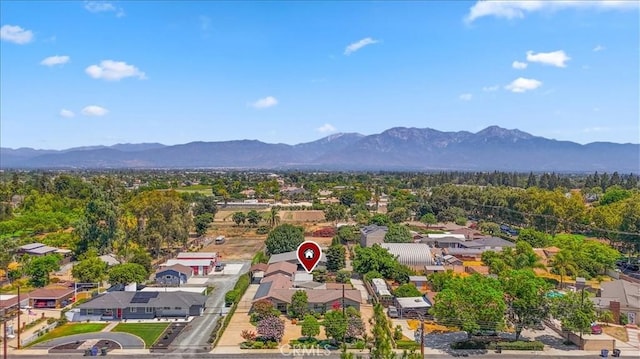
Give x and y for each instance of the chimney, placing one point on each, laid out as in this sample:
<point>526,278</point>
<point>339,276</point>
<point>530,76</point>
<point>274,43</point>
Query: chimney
<point>614,306</point>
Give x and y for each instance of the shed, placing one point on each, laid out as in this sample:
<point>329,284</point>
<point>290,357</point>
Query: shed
<point>51,297</point>
<point>412,307</point>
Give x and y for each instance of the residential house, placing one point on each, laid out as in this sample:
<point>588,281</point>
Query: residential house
<point>443,242</point>
<point>621,297</point>
<point>434,269</point>
<point>469,233</point>
<point>319,300</point>
<point>142,305</point>
<point>9,303</point>
<point>493,243</point>
<point>420,281</point>
<point>285,268</point>
<point>39,249</point>
<point>173,276</point>
<point>381,291</point>
<point>292,257</point>
<point>372,234</point>
<point>257,272</point>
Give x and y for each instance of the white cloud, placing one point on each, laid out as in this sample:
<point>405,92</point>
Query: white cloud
<point>15,34</point>
<point>55,60</point>
<point>466,97</point>
<point>266,102</point>
<point>509,9</point>
<point>114,71</point>
<point>519,65</point>
<point>522,84</point>
<point>67,113</point>
<point>358,45</point>
<point>598,48</point>
<point>491,88</point>
<point>103,6</point>
<point>326,128</point>
<point>94,110</point>
<point>554,58</point>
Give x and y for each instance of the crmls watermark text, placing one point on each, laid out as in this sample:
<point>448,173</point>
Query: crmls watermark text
<point>300,350</point>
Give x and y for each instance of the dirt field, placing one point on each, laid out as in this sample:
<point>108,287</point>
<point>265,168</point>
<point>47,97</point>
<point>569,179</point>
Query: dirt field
<point>237,248</point>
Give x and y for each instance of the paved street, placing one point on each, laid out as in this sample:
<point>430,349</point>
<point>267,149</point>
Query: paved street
<point>195,336</point>
<point>590,355</point>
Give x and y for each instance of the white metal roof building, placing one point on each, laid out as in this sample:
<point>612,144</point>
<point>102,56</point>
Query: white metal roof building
<point>411,254</point>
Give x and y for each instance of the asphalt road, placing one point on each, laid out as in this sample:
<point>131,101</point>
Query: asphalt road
<point>195,336</point>
<point>332,356</point>
<point>126,341</point>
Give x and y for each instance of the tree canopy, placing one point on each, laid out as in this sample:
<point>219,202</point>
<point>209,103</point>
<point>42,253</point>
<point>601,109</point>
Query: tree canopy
<point>284,238</point>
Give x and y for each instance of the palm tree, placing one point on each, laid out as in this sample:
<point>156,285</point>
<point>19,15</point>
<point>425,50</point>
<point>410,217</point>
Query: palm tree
<point>273,218</point>
<point>563,264</point>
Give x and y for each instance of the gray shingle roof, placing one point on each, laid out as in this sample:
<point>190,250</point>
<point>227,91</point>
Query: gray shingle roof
<point>164,299</point>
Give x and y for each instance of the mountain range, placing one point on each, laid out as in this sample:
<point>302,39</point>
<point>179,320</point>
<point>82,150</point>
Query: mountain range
<point>398,148</point>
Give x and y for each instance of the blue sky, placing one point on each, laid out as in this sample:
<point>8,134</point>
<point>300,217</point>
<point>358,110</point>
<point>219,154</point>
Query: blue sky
<point>88,73</point>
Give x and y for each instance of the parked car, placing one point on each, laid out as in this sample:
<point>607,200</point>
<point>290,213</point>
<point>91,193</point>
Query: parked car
<point>219,267</point>
<point>392,312</point>
<point>219,239</point>
<point>596,329</point>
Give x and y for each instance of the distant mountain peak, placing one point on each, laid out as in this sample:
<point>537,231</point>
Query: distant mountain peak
<point>497,131</point>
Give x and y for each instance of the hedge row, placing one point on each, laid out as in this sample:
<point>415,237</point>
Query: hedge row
<point>240,288</point>
<point>407,344</point>
<point>519,345</point>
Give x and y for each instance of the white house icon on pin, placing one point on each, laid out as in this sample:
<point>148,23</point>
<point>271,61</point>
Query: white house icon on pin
<point>308,254</point>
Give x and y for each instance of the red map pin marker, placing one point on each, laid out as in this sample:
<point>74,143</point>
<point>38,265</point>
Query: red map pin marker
<point>309,254</point>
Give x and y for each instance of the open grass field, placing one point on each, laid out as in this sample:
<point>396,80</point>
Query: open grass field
<point>70,329</point>
<point>206,190</point>
<point>148,332</point>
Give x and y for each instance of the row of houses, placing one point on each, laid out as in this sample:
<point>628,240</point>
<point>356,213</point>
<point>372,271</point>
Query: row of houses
<point>279,279</point>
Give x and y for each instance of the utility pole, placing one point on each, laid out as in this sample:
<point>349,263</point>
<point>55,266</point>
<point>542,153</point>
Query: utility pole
<point>421,336</point>
<point>19,317</point>
<point>4,335</point>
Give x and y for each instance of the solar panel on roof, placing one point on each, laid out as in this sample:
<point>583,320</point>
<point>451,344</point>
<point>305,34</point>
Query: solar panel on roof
<point>143,297</point>
<point>139,300</point>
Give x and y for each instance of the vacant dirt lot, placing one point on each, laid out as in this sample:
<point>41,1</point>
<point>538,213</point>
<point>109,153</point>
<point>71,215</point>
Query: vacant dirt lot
<point>237,248</point>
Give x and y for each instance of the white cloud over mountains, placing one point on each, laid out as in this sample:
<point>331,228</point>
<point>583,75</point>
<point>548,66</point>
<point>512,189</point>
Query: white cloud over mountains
<point>554,58</point>
<point>266,102</point>
<point>522,84</point>
<point>351,48</point>
<point>110,70</point>
<point>507,9</point>
<point>55,60</point>
<point>326,128</point>
<point>15,34</point>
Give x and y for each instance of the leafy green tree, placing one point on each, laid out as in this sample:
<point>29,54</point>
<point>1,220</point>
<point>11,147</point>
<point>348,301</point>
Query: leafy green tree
<point>39,268</point>
<point>205,204</point>
<point>348,234</point>
<point>335,325</point>
<point>429,219</point>
<point>343,276</point>
<point>336,258</point>
<point>439,280</point>
<point>575,312</point>
<point>398,234</point>
<point>563,264</point>
<point>525,298</point>
<point>284,238</point>
<point>471,303</point>
<point>127,273</point>
<point>535,238</point>
<point>299,304</point>
<point>407,290</point>
<point>202,223</point>
<point>90,270</point>
<point>142,257</point>
<point>310,326</point>
<point>239,217</point>
<point>253,217</point>
<point>380,219</point>
<point>163,219</point>
<point>335,212</point>
<point>398,215</point>
<point>381,341</point>
<point>98,227</point>
<point>262,309</point>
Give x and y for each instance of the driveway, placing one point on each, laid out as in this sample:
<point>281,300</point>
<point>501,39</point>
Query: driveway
<point>194,338</point>
<point>126,341</point>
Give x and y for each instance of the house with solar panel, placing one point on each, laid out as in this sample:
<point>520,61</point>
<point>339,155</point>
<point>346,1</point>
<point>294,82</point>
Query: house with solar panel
<point>141,305</point>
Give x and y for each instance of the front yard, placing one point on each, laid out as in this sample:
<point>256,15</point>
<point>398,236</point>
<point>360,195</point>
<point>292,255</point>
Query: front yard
<point>148,332</point>
<point>70,329</point>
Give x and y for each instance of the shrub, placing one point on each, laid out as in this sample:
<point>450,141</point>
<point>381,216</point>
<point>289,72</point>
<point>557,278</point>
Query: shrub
<point>263,230</point>
<point>258,345</point>
<point>231,297</point>
<point>519,345</point>
<point>407,344</point>
<point>397,333</point>
<point>469,344</point>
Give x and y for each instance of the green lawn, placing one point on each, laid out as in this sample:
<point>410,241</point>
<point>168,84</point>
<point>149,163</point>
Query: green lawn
<point>70,329</point>
<point>149,332</point>
<point>206,190</point>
